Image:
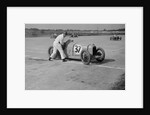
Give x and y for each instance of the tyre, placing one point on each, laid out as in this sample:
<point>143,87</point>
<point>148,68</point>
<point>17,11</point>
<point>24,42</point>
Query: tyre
<point>85,57</point>
<point>50,51</point>
<point>100,54</point>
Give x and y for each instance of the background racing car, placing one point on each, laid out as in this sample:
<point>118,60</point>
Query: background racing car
<point>80,51</point>
<point>115,38</point>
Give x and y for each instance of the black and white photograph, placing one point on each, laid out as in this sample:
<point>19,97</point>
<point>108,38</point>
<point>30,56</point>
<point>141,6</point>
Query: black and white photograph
<point>75,56</point>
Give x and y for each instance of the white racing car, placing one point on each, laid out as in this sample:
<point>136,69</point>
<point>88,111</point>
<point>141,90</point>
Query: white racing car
<point>80,51</point>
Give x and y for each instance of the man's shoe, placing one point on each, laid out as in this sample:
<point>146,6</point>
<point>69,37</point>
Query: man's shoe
<point>50,59</point>
<point>64,60</point>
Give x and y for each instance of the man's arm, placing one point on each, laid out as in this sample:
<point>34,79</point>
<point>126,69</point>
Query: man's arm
<point>61,40</point>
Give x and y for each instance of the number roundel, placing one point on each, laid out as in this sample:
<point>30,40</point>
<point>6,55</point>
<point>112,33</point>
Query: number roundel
<point>77,49</point>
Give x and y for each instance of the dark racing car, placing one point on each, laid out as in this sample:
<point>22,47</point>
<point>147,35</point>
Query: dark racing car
<point>116,38</point>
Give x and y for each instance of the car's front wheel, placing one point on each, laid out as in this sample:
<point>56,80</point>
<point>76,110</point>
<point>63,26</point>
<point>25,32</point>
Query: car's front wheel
<point>100,54</point>
<point>85,57</point>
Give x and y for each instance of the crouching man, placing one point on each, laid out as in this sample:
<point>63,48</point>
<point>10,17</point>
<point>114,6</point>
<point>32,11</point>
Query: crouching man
<point>57,45</point>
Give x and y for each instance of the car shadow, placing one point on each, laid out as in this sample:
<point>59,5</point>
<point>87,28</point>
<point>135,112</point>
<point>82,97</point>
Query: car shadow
<point>70,59</point>
<point>103,62</point>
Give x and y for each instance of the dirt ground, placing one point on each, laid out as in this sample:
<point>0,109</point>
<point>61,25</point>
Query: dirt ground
<point>41,74</point>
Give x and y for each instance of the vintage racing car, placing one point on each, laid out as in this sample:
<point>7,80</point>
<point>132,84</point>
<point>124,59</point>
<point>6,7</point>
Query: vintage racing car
<point>80,51</point>
<point>115,38</point>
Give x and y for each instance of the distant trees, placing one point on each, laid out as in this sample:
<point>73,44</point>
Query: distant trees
<point>122,29</point>
<point>34,32</point>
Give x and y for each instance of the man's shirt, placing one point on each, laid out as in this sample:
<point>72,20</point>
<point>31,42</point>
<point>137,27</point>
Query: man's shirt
<point>59,39</point>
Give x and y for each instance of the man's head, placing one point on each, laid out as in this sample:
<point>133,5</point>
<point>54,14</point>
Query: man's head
<point>65,33</point>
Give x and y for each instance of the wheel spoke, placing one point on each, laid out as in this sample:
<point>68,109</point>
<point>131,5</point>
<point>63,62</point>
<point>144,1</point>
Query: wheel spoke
<point>85,57</point>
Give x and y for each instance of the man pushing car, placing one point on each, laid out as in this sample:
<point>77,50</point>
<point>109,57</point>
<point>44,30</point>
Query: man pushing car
<point>57,45</point>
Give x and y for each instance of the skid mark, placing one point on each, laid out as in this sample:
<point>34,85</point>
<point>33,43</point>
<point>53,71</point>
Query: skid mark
<point>101,66</point>
<point>35,58</point>
<point>73,62</point>
<point>110,67</point>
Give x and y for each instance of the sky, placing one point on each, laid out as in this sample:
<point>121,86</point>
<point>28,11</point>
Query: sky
<point>76,26</point>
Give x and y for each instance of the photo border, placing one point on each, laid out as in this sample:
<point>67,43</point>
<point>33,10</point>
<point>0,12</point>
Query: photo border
<point>63,4</point>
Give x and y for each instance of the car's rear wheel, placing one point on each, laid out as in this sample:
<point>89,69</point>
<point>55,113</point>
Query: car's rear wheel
<point>85,57</point>
<point>100,54</point>
<point>50,51</point>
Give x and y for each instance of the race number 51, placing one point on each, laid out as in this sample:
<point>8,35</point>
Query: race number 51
<point>77,49</point>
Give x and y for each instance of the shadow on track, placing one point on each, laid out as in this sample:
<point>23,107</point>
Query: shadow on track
<point>37,59</point>
<point>103,62</point>
<point>78,60</point>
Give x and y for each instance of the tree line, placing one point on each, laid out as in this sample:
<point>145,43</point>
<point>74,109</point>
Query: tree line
<point>34,32</point>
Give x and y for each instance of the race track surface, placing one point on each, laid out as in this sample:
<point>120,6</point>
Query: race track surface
<point>41,74</point>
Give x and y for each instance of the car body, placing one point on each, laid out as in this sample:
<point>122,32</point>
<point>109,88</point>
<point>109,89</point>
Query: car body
<point>81,51</point>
